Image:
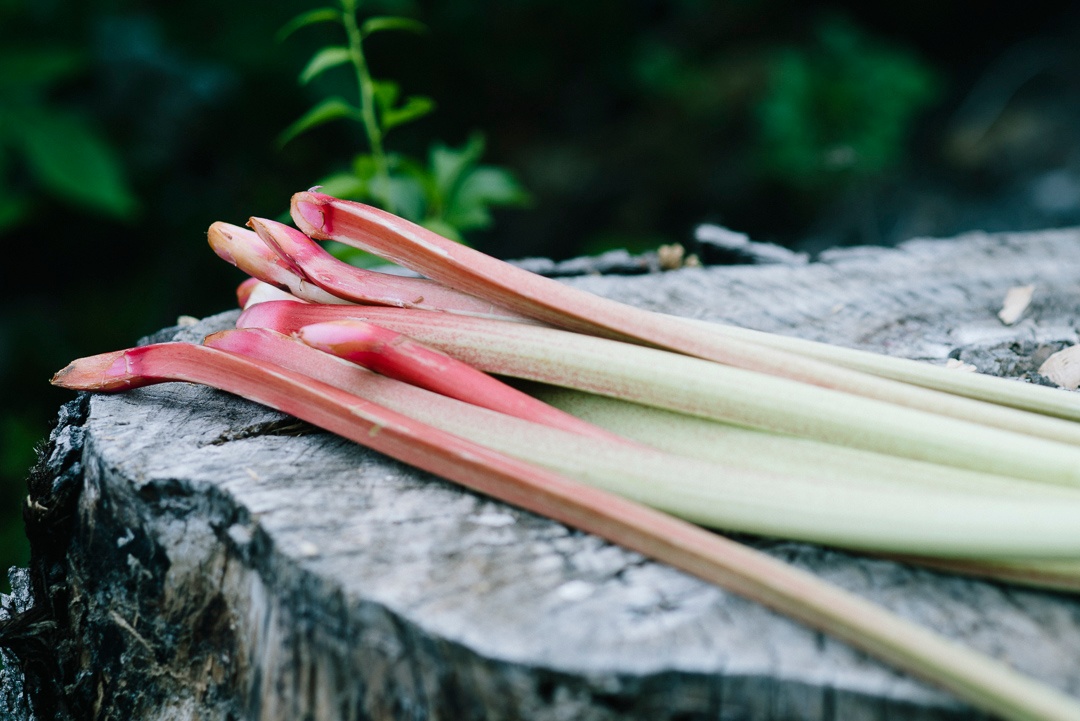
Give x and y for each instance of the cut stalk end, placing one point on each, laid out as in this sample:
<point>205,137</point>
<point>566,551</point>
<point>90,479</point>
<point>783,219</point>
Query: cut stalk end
<point>312,208</point>
<point>105,372</point>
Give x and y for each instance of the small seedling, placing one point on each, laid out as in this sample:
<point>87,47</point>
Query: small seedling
<point>451,193</point>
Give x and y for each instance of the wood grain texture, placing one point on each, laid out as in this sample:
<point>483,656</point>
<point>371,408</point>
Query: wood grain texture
<point>222,562</point>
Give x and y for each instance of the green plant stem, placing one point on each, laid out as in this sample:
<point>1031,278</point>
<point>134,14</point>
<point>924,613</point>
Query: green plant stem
<point>366,88</point>
<point>711,441</point>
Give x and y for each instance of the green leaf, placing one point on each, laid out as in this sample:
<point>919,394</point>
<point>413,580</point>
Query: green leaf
<point>381,23</point>
<point>386,94</point>
<point>386,97</point>
<point>406,166</point>
<point>403,193</point>
<point>449,165</point>
<point>468,217</point>
<point>324,112</point>
<point>70,159</point>
<point>492,186</point>
<point>318,15</point>
<point>344,185</point>
<point>365,167</point>
<point>462,190</point>
<point>325,59</point>
<point>479,189</point>
<point>415,107</point>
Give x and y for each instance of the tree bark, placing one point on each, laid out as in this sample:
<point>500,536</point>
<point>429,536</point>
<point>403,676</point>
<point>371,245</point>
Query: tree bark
<point>199,556</point>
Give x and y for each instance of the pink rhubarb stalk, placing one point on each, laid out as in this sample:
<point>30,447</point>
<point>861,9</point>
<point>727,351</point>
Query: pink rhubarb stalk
<point>357,285</point>
<point>245,250</point>
<point>397,356</point>
<point>983,682</point>
<point>412,246</point>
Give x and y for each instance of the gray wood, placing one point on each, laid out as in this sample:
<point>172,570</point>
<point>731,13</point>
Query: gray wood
<point>215,564</point>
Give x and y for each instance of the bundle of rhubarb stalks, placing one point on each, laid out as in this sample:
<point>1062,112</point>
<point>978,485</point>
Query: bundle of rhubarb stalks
<point>644,428</point>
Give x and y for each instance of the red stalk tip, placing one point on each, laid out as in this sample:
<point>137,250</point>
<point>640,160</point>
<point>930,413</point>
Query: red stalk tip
<point>107,372</point>
<point>244,249</point>
<point>220,236</point>
<point>283,239</point>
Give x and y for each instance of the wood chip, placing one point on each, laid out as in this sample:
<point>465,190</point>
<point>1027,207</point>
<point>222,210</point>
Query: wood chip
<point>1063,367</point>
<point>671,256</point>
<point>1016,302</point>
<point>955,364</point>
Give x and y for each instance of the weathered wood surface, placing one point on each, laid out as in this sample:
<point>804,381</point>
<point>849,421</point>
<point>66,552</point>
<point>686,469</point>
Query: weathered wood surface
<point>202,561</point>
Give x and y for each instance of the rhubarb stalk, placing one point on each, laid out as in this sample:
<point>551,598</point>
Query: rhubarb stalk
<point>979,386</point>
<point>412,246</point>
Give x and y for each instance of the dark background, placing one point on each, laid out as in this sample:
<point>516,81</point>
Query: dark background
<point>630,122</point>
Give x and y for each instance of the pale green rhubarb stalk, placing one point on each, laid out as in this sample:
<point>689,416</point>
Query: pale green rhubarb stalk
<point>1038,399</point>
<point>414,247</point>
<point>717,442</point>
<point>245,250</point>
<point>316,266</point>
<point>710,390</point>
<point>985,683</point>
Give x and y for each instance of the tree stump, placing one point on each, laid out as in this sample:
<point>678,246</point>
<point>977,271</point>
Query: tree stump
<point>199,556</point>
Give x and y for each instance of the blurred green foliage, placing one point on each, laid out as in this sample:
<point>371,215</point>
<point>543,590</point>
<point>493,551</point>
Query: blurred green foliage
<point>127,127</point>
<point>840,109</point>
<point>61,150</point>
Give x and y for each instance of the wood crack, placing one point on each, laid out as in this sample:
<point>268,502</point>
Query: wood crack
<point>283,427</point>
